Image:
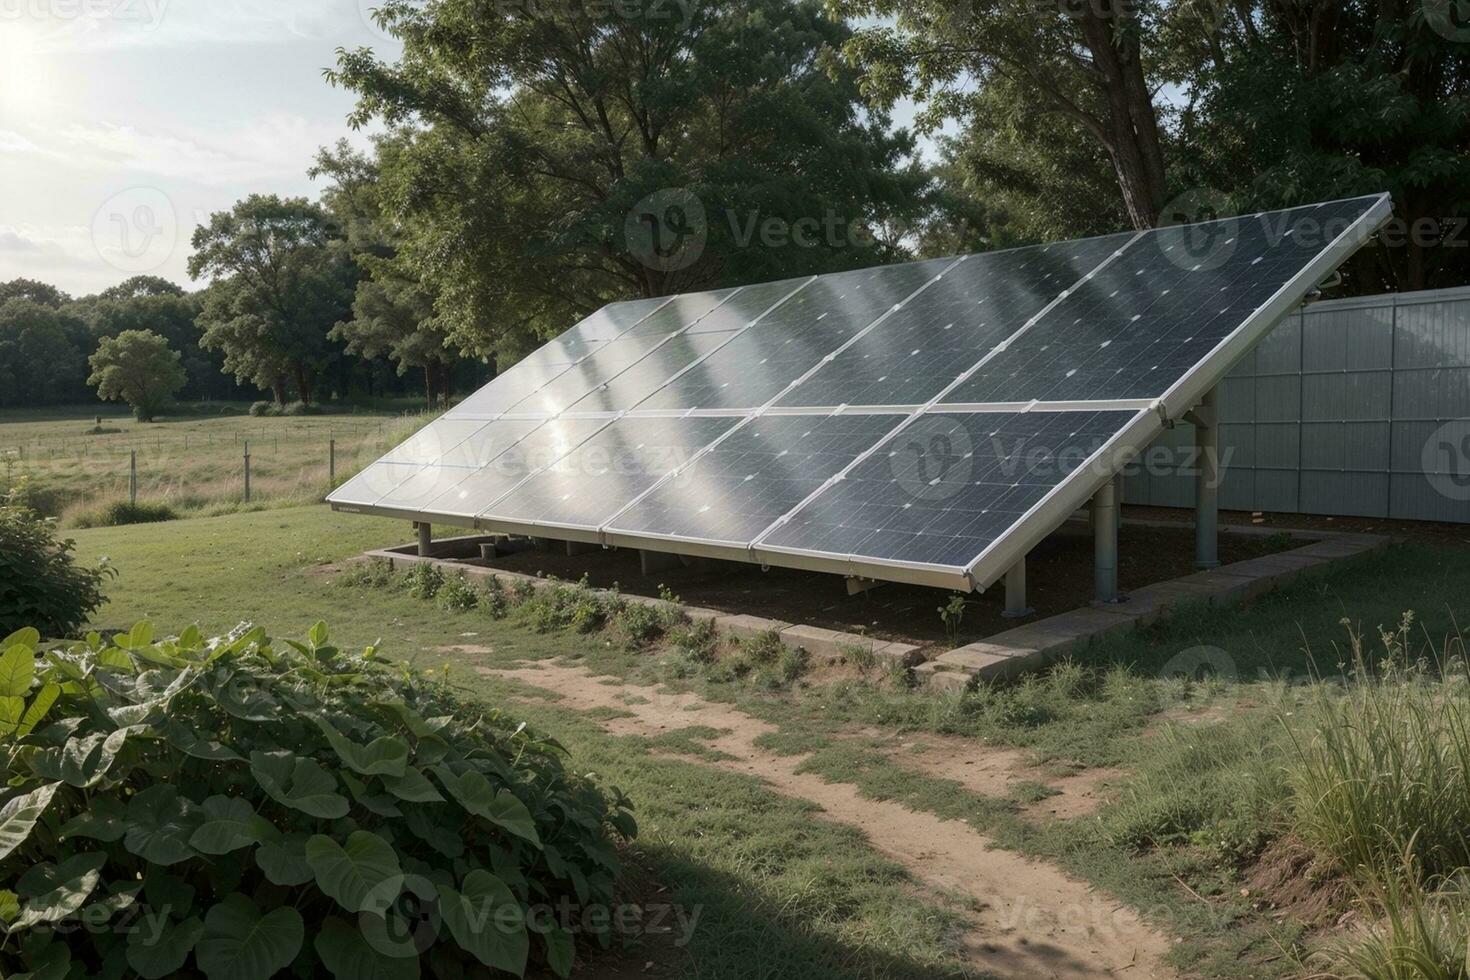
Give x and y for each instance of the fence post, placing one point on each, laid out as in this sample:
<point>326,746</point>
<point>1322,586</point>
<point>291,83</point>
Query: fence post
<point>133,477</point>
<point>332,461</point>
<point>247,471</point>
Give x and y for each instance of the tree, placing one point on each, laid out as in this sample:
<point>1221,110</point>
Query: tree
<point>41,359</point>
<point>37,292</point>
<point>1300,102</point>
<point>279,288</point>
<point>392,311</point>
<point>1080,68</point>
<point>137,367</point>
<point>544,159</point>
<point>142,286</point>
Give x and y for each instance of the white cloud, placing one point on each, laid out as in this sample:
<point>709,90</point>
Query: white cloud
<point>264,149</point>
<point>91,25</point>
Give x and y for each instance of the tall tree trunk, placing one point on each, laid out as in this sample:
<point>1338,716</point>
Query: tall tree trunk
<point>446,382</point>
<point>1131,124</point>
<point>303,386</point>
<point>429,383</point>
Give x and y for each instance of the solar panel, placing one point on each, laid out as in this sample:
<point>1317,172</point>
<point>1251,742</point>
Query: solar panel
<point>909,357</point>
<point>926,422</point>
<point>742,484</point>
<point>597,478</point>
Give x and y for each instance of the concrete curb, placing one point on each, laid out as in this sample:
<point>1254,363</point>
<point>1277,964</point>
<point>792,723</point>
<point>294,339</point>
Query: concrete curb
<point>813,639</point>
<point>1039,644</point>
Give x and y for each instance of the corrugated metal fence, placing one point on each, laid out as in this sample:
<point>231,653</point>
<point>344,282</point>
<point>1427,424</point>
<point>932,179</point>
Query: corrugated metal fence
<point>1350,407</point>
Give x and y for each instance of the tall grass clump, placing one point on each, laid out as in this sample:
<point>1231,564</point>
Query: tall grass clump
<point>1384,761</point>
<point>1412,931</point>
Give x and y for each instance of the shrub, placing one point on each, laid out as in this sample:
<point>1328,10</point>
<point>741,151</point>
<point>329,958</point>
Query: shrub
<point>640,623</point>
<point>300,408</point>
<point>457,595</point>
<point>697,640</point>
<point>40,582</point>
<point>763,649</point>
<point>121,512</point>
<point>423,580</point>
<point>293,808</point>
<point>376,573</point>
<point>493,598</point>
<point>264,409</point>
<point>563,606</point>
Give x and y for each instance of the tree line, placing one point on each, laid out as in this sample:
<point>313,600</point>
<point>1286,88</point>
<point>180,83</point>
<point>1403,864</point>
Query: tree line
<point>537,159</point>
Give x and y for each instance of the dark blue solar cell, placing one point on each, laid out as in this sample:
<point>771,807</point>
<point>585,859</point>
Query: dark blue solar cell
<point>910,356</point>
<point>743,484</point>
<point>947,486</point>
<point>1147,318</point>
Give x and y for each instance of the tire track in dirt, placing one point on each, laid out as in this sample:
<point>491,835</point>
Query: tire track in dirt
<point>1030,920</point>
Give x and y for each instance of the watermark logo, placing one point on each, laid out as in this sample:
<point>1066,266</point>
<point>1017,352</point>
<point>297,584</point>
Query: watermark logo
<point>1446,459</point>
<point>1201,663</point>
<point>667,230</point>
<point>933,459</point>
<point>1197,230</point>
<point>148,13</point>
<point>1449,18</point>
<point>136,230</point>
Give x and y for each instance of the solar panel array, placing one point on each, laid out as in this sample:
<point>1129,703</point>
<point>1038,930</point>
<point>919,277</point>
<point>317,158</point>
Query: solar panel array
<point>928,421</point>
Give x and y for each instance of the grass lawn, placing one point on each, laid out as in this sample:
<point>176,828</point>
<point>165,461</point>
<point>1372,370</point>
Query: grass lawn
<point>193,461</point>
<point>782,894</point>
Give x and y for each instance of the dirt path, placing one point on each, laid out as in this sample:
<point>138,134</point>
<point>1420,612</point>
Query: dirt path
<point>1033,921</point>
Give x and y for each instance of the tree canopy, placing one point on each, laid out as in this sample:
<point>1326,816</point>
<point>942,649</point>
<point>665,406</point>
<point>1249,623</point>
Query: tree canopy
<point>544,159</point>
<point>280,286</point>
<point>137,367</point>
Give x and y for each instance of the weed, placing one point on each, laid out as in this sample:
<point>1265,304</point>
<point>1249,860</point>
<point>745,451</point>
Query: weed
<point>456,594</point>
<point>697,640</point>
<point>423,580</point>
<point>763,649</point>
<point>641,624</point>
<point>952,614</point>
<point>859,655</point>
<point>376,573</point>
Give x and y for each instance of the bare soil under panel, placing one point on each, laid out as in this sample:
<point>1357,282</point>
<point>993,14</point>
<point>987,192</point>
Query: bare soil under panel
<point>1058,574</point>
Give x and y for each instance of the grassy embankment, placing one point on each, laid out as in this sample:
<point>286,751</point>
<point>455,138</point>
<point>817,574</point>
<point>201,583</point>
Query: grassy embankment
<point>1213,783</point>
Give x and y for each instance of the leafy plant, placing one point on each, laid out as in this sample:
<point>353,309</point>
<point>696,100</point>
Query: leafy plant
<point>423,580</point>
<point>375,573</point>
<point>457,594</point>
<point>40,582</point>
<point>233,808</point>
<point>952,614</point>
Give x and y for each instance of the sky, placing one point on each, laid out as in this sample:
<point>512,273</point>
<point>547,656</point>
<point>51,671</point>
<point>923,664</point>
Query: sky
<point>125,123</point>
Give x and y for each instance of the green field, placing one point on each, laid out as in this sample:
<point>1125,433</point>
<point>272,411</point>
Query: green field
<point>786,895</point>
<point>193,461</point>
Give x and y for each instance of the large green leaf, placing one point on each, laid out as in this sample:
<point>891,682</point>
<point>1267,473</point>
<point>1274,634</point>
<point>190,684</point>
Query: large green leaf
<point>241,944</point>
<point>82,762</point>
<point>56,891</point>
<point>504,809</point>
<point>105,820</point>
<point>284,861</point>
<point>26,636</point>
<point>364,876</point>
<point>559,949</point>
<point>158,947</point>
<point>229,824</point>
<point>36,711</point>
<point>486,921</point>
<point>412,787</point>
<point>380,803</point>
<point>17,670</point>
<point>160,823</point>
<point>349,956</point>
<point>18,816</point>
<point>384,756</point>
<point>298,783</point>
